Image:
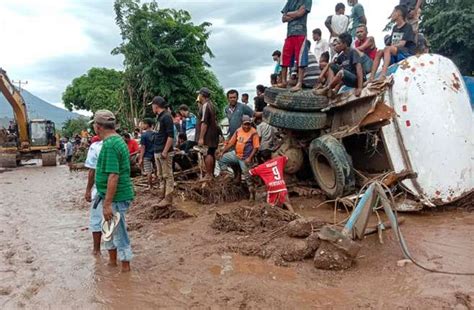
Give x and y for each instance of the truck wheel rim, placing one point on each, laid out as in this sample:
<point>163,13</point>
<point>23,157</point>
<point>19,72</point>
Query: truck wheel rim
<point>325,171</point>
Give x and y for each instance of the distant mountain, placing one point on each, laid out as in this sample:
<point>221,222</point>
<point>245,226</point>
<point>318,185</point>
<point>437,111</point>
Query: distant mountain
<point>37,108</point>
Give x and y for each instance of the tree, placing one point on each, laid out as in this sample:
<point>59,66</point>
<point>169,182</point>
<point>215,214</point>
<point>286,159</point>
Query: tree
<point>448,26</point>
<point>100,88</point>
<point>164,55</point>
<point>74,126</point>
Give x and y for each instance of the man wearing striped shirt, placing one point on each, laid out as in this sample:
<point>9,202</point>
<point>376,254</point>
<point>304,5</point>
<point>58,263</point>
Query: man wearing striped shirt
<point>312,71</point>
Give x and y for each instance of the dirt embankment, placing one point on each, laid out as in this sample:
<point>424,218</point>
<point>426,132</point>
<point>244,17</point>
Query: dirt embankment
<point>183,262</point>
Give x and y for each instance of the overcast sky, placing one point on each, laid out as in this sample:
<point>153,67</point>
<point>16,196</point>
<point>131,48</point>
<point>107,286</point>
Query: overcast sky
<point>48,43</point>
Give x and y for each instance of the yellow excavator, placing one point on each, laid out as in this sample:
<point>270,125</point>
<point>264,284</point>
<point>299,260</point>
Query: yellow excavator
<point>24,139</point>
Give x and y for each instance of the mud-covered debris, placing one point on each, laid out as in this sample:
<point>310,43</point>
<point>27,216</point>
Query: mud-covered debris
<point>313,242</point>
<point>168,212</point>
<point>302,228</point>
<point>330,257</point>
<point>252,249</point>
<point>464,299</point>
<point>216,191</point>
<point>466,203</point>
<point>250,220</point>
<point>298,250</point>
<point>337,251</point>
<point>304,191</point>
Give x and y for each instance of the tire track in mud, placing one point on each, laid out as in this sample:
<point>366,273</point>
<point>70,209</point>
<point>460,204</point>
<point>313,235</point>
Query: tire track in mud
<point>38,252</point>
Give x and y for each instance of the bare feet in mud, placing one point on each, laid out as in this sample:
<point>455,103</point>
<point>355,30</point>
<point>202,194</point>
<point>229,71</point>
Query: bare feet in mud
<point>125,267</point>
<point>112,258</point>
<point>112,264</point>
<point>282,85</point>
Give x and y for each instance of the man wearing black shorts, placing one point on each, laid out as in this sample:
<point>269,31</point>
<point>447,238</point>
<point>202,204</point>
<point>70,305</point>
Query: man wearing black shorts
<point>346,70</point>
<point>207,130</point>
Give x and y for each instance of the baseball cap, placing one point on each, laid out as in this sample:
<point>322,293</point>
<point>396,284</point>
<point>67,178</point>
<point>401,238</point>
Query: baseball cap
<point>159,101</point>
<point>204,91</point>
<point>103,117</point>
<point>246,119</point>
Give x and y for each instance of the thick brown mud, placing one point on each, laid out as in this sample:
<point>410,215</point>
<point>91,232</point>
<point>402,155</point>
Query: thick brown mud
<point>182,262</point>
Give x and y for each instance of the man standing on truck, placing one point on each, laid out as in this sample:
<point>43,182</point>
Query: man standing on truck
<point>320,45</point>
<point>295,13</point>
<point>337,24</point>
<point>357,17</point>
<point>414,12</point>
<point>275,78</point>
<point>401,43</point>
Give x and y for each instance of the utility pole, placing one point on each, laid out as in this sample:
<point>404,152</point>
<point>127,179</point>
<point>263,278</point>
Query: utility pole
<point>20,82</point>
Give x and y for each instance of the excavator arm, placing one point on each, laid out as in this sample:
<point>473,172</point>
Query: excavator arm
<point>15,99</point>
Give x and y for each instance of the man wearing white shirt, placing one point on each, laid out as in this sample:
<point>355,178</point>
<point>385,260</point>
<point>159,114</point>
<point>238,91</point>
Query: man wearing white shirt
<point>95,224</point>
<point>320,45</point>
<point>337,24</point>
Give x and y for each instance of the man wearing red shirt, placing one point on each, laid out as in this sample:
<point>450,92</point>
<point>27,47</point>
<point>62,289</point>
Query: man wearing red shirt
<point>133,147</point>
<point>365,43</point>
<point>271,172</point>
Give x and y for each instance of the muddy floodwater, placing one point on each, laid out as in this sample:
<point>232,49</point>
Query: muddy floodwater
<point>46,261</point>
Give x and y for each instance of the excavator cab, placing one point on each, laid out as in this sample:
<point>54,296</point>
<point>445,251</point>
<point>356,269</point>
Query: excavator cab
<point>42,133</point>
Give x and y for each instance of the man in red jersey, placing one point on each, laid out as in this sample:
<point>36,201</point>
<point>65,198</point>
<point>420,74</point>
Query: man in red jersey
<point>271,172</point>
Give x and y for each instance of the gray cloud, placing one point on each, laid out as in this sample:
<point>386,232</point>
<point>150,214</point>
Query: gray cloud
<point>236,55</point>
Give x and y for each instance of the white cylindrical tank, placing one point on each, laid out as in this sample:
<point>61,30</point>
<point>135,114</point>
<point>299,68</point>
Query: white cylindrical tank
<point>432,133</point>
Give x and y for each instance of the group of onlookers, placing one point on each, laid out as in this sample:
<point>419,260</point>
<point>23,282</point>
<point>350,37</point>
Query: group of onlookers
<point>351,56</point>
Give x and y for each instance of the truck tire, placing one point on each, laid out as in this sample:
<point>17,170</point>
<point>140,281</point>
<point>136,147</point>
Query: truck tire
<point>294,120</point>
<point>332,166</point>
<point>295,157</point>
<point>8,160</point>
<point>272,92</point>
<point>302,101</point>
<point>49,159</point>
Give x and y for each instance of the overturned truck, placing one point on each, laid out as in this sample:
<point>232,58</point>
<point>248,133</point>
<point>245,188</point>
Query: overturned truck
<point>416,122</point>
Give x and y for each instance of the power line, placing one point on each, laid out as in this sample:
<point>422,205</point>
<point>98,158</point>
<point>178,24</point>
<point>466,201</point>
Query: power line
<point>20,82</point>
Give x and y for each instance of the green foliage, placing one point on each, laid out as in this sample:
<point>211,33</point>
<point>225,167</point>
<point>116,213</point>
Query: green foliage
<point>74,126</point>
<point>448,25</point>
<point>99,89</point>
<point>164,55</point>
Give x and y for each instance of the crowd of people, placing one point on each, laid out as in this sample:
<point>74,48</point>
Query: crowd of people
<point>246,148</point>
<point>350,57</point>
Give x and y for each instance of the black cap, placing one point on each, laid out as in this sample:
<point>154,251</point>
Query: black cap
<point>205,92</point>
<point>158,100</point>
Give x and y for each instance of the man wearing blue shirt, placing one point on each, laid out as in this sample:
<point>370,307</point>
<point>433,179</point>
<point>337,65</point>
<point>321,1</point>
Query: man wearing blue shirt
<point>234,112</point>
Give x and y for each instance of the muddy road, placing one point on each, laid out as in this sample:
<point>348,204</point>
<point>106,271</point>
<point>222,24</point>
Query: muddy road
<point>46,261</point>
